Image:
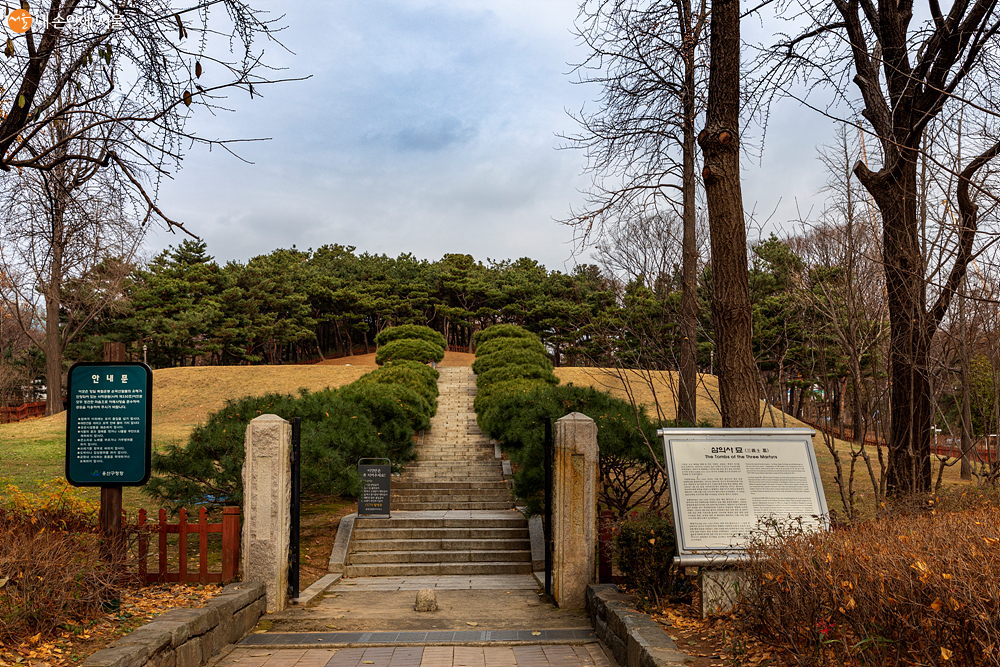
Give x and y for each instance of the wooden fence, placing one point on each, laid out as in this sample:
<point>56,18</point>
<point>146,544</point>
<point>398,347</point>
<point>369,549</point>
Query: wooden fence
<point>230,529</point>
<point>9,415</point>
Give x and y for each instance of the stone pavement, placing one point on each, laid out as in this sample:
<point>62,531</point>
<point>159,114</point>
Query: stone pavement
<point>421,656</point>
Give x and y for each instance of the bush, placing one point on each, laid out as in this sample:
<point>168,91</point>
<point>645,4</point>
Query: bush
<point>368,418</point>
<point>510,357</point>
<point>411,331</point>
<point>504,344</point>
<point>898,590</point>
<point>516,372</point>
<point>50,570</point>
<point>644,550</point>
<point>500,331</point>
<point>409,349</point>
<point>419,377</point>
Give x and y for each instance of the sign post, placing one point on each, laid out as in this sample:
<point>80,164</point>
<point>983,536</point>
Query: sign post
<point>373,502</point>
<point>108,436</point>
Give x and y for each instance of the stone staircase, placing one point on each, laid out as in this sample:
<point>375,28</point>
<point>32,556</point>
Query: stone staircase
<point>452,510</point>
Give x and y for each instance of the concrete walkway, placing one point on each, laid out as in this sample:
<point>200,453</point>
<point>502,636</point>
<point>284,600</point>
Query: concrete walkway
<point>421,656</point>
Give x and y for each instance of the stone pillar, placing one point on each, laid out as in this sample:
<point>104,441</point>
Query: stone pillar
<point>574,510</point>
<point>267,500</point>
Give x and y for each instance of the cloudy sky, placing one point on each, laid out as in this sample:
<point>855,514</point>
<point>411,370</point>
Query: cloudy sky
<point>426,127</point>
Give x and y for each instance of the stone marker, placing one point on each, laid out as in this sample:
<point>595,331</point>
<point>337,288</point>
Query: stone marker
<point>574,510</point>
<point>267,499</point>
<point>426,600</point>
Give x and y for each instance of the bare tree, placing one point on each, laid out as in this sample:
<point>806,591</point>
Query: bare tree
<point>640,144</point>
<point>138,69</point>
<point>907,73</point>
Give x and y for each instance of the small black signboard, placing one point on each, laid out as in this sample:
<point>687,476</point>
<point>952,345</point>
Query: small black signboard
<point>374,499</point>
<point>108,423</point>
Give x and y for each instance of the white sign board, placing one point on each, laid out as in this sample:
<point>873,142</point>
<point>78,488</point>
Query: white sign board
<point>724,481</point>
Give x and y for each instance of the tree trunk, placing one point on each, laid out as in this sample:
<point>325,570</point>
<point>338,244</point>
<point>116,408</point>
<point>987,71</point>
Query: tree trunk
<point>688,390</point>
<point>730,278</point>
<point>894,191</point>
<point>53,304</point>
<point>966,470</point>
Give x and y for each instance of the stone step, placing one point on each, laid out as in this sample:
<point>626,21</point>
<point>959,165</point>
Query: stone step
<point>430,569</point>
<point>449,495</point>
<point>439,556</point>
<point>401,485</point>
<point>404,534</point>
<point>453,505</point>
<point>514,520</point>
<point>427,544</point>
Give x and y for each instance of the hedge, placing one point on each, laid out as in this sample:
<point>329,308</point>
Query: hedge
<point>510,357</point>
<point>409,349</point>
<point>500,331</point>
<point>498,344</point>
<point>411,331</point>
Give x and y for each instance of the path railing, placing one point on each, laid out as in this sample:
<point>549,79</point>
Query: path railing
<point>229,528</point>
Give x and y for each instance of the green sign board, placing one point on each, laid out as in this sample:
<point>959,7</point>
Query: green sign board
<point>108,424</point>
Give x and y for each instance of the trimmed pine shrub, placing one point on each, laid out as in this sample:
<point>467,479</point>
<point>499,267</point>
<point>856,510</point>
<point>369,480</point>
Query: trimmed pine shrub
<point>510,357</point>
<point>516,372</point>
<point>500,331</point>
<point>494,345</point>
<point>409,349</point>
<point>411,331</point>
<point>417,376</point>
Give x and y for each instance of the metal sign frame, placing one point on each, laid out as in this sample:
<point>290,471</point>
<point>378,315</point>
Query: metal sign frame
<point>387,468</point>
<point>109,392</point>
<point>714,465</point>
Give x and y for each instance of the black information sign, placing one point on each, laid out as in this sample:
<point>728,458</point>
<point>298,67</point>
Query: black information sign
<point>108,424</point>
<point>374,499</point>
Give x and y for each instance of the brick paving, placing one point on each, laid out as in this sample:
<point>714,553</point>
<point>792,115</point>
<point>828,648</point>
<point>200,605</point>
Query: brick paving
<point>589,655</point>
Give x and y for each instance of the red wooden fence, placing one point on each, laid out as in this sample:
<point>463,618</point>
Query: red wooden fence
<point>9,415</point>
<point>230,529</point>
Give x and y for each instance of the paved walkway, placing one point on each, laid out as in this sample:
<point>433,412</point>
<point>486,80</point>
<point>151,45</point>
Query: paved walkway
<point>444,582</point>
<point>421,656</point>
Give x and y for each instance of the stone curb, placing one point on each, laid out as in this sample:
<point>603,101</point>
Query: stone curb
<point>188,637</point>
<point>338,557</point>
<point>309,594</point>
<point>634,639</point>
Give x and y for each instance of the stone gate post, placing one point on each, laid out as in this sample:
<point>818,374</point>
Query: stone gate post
<point>267,498</point>
<point>574,509</point>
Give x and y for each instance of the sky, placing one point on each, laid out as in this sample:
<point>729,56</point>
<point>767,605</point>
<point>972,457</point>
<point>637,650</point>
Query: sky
<point>429,128</point>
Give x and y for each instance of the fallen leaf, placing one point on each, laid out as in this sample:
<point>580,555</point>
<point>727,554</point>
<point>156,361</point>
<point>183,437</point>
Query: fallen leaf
<point>945,653</point>
<point>471,623</point>
<point>536,633</point>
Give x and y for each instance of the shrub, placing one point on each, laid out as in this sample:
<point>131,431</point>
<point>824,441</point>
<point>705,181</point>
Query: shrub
<point>644,550</point>
<point>510,357</point>
<point>417,376</point>
<point>503,344</point>
<point>516,372</point>
<point>376,419</point>
<point>897,590</point>
<point>500,331</point>
<point>411,331</point>
<point>50,570</point>
<point>409,349</point>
